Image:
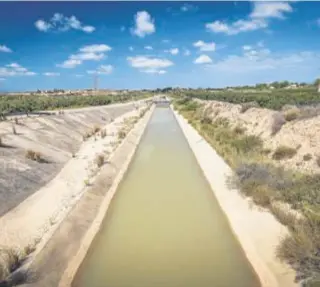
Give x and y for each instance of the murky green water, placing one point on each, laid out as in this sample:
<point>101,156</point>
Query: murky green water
<point>164,228</point>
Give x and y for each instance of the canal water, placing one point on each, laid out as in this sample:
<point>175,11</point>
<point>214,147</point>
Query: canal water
<point>164,228</point>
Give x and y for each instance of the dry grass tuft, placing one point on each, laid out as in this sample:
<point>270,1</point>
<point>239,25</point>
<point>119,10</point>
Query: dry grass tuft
<point>283,152</point>
<point>103,133</point>
<point>318,160</point>
<point>33,155</point>
<point>292,114</point>
<point>249,105</point>
<point>122,134</point>
<point>278,121</point>
<point>99,160</point>
<point>239,130</point>
<point>307,157</point>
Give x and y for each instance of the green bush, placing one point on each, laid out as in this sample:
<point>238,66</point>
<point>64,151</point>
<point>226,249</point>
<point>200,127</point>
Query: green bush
<point>283,152</point>
<point>247,144</point>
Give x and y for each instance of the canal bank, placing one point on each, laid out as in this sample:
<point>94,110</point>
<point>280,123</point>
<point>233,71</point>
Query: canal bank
<point>258,232</point>
<point>53,259</point>
<point>164,226</point>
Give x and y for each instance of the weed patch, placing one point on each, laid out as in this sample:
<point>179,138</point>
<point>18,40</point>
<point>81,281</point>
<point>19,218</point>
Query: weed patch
<point>283,152</point>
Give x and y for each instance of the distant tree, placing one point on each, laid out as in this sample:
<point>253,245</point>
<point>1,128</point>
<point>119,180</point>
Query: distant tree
<point>317,82</point>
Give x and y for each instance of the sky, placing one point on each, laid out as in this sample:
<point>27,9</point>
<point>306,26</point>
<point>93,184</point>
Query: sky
<point>147,45</point>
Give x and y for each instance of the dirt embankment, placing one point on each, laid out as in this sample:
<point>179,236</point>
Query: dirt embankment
<point>56,137</point>
<point>256,229</point>
<point>300,134</point>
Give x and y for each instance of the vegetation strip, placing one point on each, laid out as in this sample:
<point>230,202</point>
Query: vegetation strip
<point>268,186</point>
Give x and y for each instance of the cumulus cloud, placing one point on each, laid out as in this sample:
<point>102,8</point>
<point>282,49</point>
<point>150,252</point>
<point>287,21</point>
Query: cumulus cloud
<point>237,26</point>
<point>5,49</point>
<point>270,9</point>
<point>15,69</point>
<point>131,48</point>
<point>148,47</point>
<point>62,23</point>
<point>144,24</point>
<point>173,51</point>
<point>51,74</point>
<point>154,71</point>
<point>258,18</point>
<point>69,64</point>
<point>96,48</point>
<point>87,53</point>
<point>203,59</point>
<point>149,65</point>
<point>262,59</point>
<point>205,46</point>
<point>102,70</point>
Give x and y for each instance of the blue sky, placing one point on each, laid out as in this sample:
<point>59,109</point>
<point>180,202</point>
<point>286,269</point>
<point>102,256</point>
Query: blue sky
<point>46,45</point>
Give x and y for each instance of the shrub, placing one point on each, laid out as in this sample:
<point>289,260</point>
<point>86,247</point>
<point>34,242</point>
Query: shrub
<point>301,248</point>
<point>277,123</point>
<point>16,121</point>
<point>239,130</point>
<point>14,130</point>
<point>100,160</point>
<point>247,144</point>
<point>283,152</point>
<point>307,157</point>
<point>103,133</point>
<point>291,114</point>
<point>122,134</point>
<point>33,155</point>
<point>96,129</point>
<point>10,260</point>
<point>318,160</point>
<point>247,106</point>
<point>1,142</point>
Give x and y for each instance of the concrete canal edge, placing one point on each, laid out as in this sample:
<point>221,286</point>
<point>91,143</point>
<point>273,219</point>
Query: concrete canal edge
<point>257,231</point>
<point>129,146</point>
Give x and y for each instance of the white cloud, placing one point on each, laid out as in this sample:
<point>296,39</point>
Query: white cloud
<point>246,47</point>
<point>205,46</point>
<point>173,51</point>
<point>188,7</point>
<point>270,9</point>
<point>69,64</point>
<point>78,75</point>
<point>154,71</point>
<point>258,19</point>
<point>5,49</point>
<point>236,27</point>
<point>149,65</point>
<point>148,47</point>
<point>87,56</point>
<point>131,48</point>
<point>165,41</point>
<point>61,23</point>
<point>97,48</point>
<point>102,70</point>
<point>144,24</point>
<point>203,59</point>
<point>43,26</point>
<point>87,53</point>
<point>122,28</point>
<point>187,52</point>
<point>2,79</point>
<point>51,74</point>
<point>15,69</point>
<point>263,60</point>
